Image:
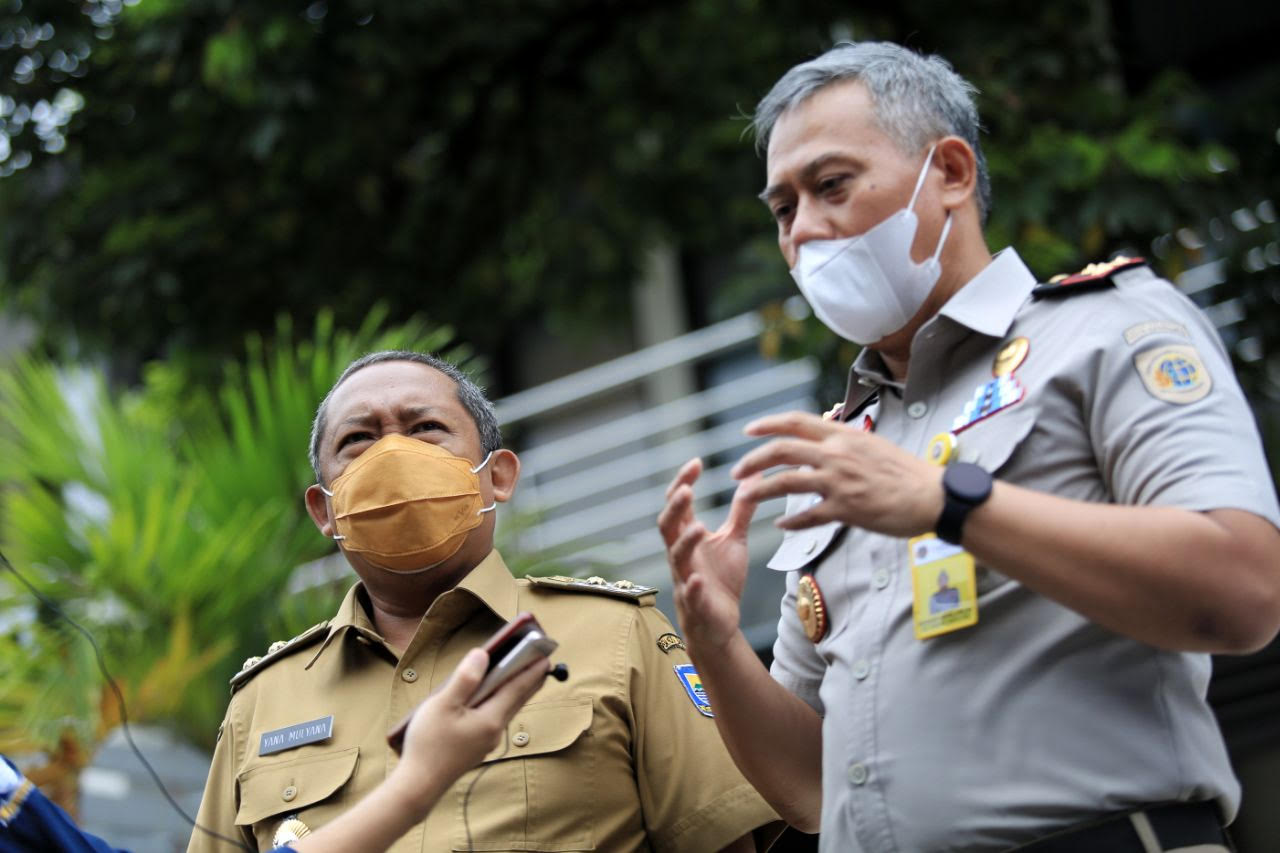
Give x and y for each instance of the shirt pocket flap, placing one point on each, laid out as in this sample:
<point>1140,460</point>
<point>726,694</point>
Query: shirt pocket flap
<point>801,547</point>
<point>991,442</point>
<point>289,786</point>
<point>544,727</point>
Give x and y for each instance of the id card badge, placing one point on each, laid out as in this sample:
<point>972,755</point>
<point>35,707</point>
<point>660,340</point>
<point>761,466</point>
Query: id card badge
<point>943,586</point>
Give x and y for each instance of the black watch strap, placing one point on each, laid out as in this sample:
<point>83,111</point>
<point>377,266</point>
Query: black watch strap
<point>965,487</point>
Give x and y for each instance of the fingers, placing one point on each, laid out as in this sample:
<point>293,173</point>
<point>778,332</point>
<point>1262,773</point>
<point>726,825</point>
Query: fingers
<point>681,551</point>
<point>811,517</point>
<point>679,507</point>
<point>790,482</point>
<point>686,476</point>
<point>743,508</point>
<point>796,424</point>
<point>466,678</point>
<point>508,698</point>
<point>782,451</point>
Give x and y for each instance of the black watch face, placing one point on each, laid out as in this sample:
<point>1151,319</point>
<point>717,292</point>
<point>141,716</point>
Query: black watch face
<point>968,482</point>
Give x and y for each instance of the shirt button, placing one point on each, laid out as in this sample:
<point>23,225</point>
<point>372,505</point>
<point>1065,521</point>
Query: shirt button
<point>289,793</point>
<point>880,578</point>
<point>520,738</point>
<point>410,675</point>
<point>861,669</point>
<point>858,773</point>
<point>918,409</point>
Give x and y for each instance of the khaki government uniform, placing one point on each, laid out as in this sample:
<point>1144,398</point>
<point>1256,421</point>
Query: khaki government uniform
<point>618,757</point>
<point>1034,719</point>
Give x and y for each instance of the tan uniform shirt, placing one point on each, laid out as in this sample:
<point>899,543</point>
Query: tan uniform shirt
<point>1034,718</point>
<point>616,758</point>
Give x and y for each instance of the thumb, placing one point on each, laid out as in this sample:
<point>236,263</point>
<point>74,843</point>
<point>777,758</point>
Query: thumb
<point>466,678</point>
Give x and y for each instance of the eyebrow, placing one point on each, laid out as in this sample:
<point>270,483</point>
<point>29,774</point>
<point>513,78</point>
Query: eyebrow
<point>807,174</point>
<point>367,419</point>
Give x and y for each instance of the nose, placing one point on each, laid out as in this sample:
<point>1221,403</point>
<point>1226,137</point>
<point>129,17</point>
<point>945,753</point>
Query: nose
<point>807,224</point>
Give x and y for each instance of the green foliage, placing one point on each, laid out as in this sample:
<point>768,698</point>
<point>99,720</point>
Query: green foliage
<point>165,518</point>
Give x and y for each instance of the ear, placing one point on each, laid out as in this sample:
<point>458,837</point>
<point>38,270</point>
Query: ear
<point>504,472</point>
<point>318,509</point>
<point>959,171</point>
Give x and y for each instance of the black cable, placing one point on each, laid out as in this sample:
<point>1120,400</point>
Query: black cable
<point>466,798</point>
<point>124,717</point>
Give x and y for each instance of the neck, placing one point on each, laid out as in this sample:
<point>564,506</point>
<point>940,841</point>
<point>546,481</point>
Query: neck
<point>967,256</point>
<point>398,601</point>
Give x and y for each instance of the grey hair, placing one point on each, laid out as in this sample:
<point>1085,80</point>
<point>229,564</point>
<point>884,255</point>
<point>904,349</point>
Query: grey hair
<point>918,99</point>
<point>470,395</point>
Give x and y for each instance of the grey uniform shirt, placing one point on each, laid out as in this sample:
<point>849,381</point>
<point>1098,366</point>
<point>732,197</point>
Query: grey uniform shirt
<point>1035,718</point>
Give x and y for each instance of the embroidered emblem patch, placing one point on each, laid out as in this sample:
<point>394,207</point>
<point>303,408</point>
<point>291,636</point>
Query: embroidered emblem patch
<point>1174,374</point>
<point>669,641</point>
<point>1137,332</point>
<point>991,397</point>
<point>692,683</point>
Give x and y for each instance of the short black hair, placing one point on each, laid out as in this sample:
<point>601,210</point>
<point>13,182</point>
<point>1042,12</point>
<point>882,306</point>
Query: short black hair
<point>470,395</point>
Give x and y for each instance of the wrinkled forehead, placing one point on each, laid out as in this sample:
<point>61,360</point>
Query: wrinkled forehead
<point>396,391</point>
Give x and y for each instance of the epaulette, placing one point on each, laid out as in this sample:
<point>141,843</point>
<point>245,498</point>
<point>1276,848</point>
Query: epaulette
<point>618,589</point>
<point>276,651</point>
<point>1092,277</point>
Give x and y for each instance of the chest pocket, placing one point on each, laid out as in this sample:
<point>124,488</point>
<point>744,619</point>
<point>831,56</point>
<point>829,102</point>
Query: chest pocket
<point>991,443</point>
<point>533,792</point>
<point>269,792</point>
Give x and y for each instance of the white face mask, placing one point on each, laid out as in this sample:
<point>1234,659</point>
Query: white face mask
<point>866,287</point>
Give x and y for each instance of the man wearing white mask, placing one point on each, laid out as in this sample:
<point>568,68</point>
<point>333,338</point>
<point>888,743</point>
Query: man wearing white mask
<point>1075,462</point>
<point>621,755</point>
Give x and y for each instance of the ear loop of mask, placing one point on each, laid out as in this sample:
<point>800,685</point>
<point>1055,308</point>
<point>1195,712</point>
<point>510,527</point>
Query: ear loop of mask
<point>476,470</point>
<point>911,205</point>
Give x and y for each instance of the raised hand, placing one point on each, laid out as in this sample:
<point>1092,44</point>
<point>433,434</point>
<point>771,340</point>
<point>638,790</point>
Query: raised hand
<point>863,479</point>
<point>708,570</point>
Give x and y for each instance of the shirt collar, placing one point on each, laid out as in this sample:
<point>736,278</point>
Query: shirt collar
<point>492,585</point>
<point>991,299</point>
<point>489,584</point>
<point>987,304</point>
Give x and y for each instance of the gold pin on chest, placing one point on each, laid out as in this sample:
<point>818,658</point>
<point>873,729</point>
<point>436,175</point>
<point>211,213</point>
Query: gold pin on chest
<point>811,608</point>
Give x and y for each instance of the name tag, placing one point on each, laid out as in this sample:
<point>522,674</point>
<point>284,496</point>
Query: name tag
<point>278,740</point>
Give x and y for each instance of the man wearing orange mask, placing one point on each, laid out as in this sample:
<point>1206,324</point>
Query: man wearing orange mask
<point>621,756</point>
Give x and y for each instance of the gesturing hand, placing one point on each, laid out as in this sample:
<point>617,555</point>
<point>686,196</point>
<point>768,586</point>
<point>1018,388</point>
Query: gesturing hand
<point>863,479</point>
<point>708,570</point>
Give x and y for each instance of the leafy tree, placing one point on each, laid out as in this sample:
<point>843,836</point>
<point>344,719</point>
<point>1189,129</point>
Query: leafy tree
<point>167,520</point>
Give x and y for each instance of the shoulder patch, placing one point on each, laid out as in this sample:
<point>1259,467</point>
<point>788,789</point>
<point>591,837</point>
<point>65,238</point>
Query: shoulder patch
<point>1092,277</point>
<point>669,641</point>
<point>276,651</point>
<point>692,684</point>
<point>642,595</point>
<point>1174,374</point>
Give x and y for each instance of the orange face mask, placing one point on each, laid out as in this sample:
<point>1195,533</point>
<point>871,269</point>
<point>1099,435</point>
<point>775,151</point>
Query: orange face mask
<point>406,505</point>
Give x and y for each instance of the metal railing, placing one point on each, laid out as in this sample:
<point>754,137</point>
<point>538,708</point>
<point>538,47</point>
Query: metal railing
<point>588,499</point>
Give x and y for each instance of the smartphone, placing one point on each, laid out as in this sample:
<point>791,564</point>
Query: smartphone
<point>533,644</point>
<point>508,655</point>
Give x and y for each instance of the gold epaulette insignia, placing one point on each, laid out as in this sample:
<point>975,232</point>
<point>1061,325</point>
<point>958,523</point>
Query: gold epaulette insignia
<point>1091,277</point>
<point>277,650</point>
<point>618,589</point>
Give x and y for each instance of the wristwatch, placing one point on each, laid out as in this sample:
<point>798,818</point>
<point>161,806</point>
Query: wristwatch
<point>965,487</point>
